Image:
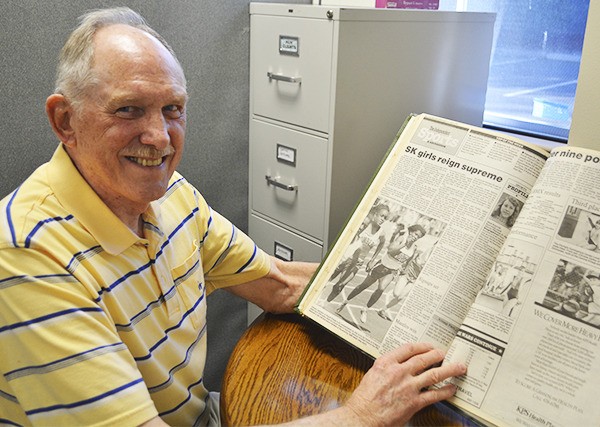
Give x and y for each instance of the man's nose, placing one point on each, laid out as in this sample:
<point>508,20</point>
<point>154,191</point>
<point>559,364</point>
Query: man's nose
<point>156,131</point>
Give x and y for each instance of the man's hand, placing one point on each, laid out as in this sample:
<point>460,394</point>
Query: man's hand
<point>395,388</point>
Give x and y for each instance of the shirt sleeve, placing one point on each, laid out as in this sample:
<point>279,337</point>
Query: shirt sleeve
<point>229,256</point>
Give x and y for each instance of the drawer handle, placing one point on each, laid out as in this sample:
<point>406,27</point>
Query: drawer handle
<point>273,181</point>
<point>282,78</point>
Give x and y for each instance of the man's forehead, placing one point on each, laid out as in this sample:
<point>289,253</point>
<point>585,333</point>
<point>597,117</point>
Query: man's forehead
<point>125,43</point>
<point>126,37</point>
<point>126,50</point>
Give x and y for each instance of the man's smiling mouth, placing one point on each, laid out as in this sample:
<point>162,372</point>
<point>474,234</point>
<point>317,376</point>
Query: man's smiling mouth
<point>146,162</point>
<point>148,156</point>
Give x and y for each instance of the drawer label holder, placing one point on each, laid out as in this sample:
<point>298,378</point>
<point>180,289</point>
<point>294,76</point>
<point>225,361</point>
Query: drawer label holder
<point>289,45</point>
<point>286,155</point>
<point>283,252</point>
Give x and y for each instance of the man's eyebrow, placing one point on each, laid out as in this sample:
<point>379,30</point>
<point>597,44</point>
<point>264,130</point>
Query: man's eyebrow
<point>181,96</point>
<point>122,100</point>
<point>129,99</point>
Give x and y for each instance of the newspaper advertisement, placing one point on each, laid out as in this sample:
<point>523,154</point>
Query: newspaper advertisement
<point>532,337</point>
<point>418,249</point>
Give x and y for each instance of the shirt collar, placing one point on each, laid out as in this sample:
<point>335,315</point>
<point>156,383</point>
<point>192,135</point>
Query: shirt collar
<point>76,195</point>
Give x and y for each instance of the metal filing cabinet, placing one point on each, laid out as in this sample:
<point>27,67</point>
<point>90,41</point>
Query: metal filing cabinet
<point>329,89</point>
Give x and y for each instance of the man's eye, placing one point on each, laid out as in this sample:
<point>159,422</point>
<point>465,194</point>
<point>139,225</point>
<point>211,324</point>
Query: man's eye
<point>173,111</point>
<point>129,111</point>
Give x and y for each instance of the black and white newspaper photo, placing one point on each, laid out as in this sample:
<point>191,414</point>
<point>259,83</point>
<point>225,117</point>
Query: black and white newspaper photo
<point>415,253</point>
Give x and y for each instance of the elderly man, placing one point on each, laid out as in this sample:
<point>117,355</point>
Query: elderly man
<point>107,255</point>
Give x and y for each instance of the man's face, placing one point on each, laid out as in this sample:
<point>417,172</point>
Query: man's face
<point>129,131</point>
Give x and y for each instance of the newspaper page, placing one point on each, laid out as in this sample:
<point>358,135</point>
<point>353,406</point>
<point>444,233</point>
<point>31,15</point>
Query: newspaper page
<point>422,241</point>
<point>532,338</point>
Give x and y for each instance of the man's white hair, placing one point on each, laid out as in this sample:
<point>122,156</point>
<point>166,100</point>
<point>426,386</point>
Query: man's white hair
<point>74,72</point>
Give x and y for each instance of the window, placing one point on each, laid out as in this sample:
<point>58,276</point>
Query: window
<point>534,65</point>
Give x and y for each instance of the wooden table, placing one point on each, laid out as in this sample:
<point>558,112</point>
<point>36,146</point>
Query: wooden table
<point>285,367</point>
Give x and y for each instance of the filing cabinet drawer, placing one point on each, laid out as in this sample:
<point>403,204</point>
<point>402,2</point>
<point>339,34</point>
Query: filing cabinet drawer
<point>282,243</point>
<point>288,175</point>
<point>290,69</point>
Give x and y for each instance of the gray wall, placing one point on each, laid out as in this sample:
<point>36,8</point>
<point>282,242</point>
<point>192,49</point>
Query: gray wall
<point>211,40</point>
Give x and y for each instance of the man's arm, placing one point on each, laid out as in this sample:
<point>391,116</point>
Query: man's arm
<point>279,290</point>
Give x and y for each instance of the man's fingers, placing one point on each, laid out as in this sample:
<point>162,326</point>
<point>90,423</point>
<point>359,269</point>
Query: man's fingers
<point>437,375</point>
<point>420,360</point>
<point>429,397</point>
<point>424,361</point>
<point>434,376</point>
<point>407,351</point>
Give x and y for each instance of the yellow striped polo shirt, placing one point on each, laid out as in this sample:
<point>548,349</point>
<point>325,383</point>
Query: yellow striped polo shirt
<point>97,325</point>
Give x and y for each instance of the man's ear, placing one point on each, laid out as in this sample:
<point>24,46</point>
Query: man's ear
<point>60,114</point>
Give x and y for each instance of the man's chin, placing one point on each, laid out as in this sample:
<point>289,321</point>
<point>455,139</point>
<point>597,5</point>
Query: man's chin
<point>148,195</point>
